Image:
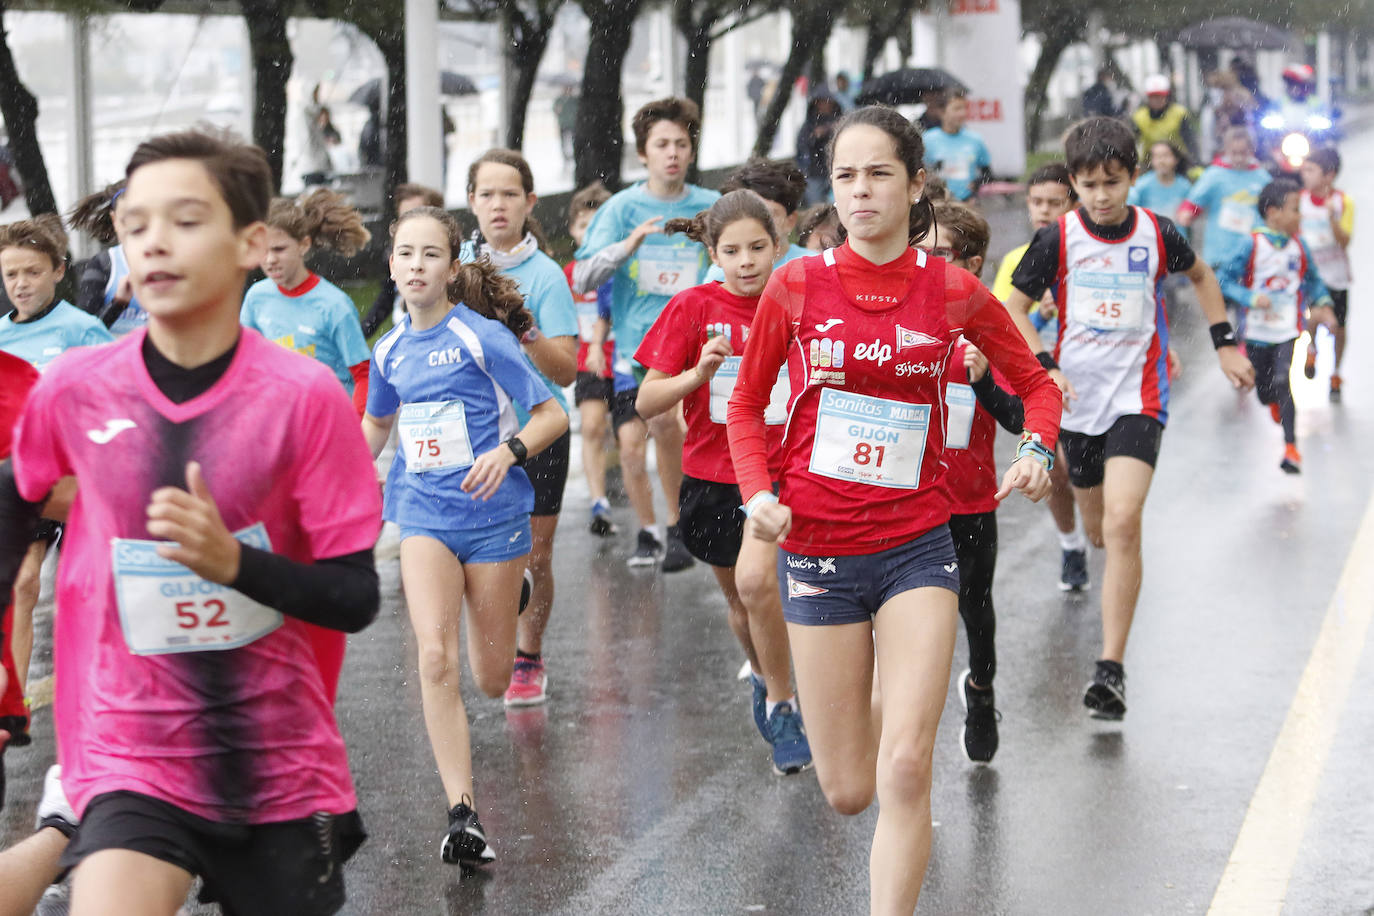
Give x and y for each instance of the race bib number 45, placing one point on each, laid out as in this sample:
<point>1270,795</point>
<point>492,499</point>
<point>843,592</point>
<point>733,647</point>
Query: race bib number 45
<point>434,435</point>
<point>164,608</point>
<point>869,440</point>
<point>723,386</point>
<point>1109,301</point>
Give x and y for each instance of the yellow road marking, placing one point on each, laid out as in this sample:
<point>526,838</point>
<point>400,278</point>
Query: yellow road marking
<point>1256,878</point>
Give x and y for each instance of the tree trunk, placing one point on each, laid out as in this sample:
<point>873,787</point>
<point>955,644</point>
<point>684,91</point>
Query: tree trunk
<point>599,138</point>
<point>526,54</point>
<point>272,63</point>
<point>874,42</point>
<point>19,108</point>
<point>393,48</point>
<point>810,31</point>
<point>1055,41</point>
<point>698,69</point>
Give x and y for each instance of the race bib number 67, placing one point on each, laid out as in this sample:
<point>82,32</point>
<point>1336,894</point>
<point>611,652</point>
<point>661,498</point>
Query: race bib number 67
<point>869,440</point>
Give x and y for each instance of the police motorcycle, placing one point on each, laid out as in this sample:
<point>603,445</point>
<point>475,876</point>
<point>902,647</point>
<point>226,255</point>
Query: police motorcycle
<point>1296,124</point>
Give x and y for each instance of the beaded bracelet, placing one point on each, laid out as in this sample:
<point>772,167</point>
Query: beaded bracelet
<point>1032,445</point>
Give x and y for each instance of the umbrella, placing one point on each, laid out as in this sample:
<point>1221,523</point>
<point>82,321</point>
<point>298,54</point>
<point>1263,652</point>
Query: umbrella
<point>369,94</point>
<point>1234,32</point>
<point>905,87</point>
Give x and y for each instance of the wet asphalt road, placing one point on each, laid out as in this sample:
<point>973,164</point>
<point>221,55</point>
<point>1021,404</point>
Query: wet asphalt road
<point>642,787</point>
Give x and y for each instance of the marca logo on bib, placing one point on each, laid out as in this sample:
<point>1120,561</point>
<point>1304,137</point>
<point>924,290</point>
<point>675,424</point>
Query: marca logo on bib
<point>1138,259</point>
<point>907,338</point>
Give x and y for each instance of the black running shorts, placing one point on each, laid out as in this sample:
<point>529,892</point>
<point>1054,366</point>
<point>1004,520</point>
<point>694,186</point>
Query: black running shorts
<point>1131,436</point>
<point>589,387</point>
<point>292,868</point>
<point>548,471</point>
<point>711,521</point>
<point>623,408</point>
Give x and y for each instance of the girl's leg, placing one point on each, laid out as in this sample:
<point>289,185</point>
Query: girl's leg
<point>915,642</point>
<point>493,593</point>
<point>667,430</point>
<point>634,466</point>
<point>739,616</point>
<point>120,882</point>
<point>594,415</point>
<point>26,589</point>
<point>756,577</point>
<point>434,584</point>
<point>535,620</point>
<point>834,668</point>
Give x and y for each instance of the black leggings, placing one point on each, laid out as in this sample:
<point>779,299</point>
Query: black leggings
<point>1272,363</point>
<point>975,544</point>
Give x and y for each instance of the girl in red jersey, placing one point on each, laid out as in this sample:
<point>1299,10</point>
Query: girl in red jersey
<point>866,332</point>
<point>690,354</point>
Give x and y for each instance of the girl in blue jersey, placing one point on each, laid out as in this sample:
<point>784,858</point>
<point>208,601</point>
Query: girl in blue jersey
<point>103,288</point>
<point>449,377</point>
<point>298,308</point>
<point>1165,187</point>
<point>501,196</point>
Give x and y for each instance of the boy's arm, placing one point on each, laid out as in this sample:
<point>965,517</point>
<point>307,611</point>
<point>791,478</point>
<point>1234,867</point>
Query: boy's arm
<point>1343,224</point>
<point>1005,407</point>
<point>1232,279</point>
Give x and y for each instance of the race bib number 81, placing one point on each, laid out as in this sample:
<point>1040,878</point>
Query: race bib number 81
<point>164,608</point>
<point>869,440</point>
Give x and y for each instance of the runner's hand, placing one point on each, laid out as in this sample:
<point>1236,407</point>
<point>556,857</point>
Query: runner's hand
<point>1175,364</point>
<point>596,361</point>
<point>771,521</point>
<point>975,363</point>
<point>712,355</point>
<point>1027,475</point>
<point>1261,302</point>
<point>1237,368</point>
<point>648,227</point>
<point>487,472</point>
<point>191,520</point>
<point>1062,380</point>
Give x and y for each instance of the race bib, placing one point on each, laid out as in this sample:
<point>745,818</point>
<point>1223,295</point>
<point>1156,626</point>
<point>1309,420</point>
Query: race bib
<point>164,608</point>
<point>1318,235</point>
<point>1109,301</point>
<point>1282,314</point>
<point>723,386</point>
<point>960,404</point>
<point>586,320</point>
<point>435,436</point>
<point>957,168</point>
<point>869,440</point>
<point>1237,216</point>
<point>667,271</point>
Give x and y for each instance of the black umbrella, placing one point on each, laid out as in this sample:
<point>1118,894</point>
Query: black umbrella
<point>905,87</point>
<point>1235,32</point>
<point>369,94</point>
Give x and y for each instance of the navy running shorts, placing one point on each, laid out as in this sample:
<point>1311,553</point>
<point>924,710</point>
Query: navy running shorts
<point>548,473</point>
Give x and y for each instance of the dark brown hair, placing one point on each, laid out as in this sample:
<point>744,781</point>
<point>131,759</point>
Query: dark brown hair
<point>42,233</point>
<point>1326,158</point>
<point>428,196</point>
<point>682,112</point>
<point>779,181</point>
<point>1052,172</point>
<point>707,225</point>
<point>518,162</point>
<point>238,170</point>
<point>910,150</point>
<point>1095,142</point>
<point>968,230</point>
<point>94,214</point>
<point>479,285</point>
<point>587,200</point>
<point>323,216</point>
<point>1273,195</point>
<point>821,219</point>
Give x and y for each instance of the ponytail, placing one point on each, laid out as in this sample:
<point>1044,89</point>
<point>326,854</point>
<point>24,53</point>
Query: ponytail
<point>325,217</point>
<point>483,288</point>
<point>921,222</point>
<point>94,214</point>
<point>706,227</point>
<point>694,228</point>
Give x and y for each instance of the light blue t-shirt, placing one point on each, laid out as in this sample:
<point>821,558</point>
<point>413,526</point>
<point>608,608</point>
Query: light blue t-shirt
<point>662,266</point>
<point>1163,199</point>
<point>133,316</point>
<point>455,387</point>
<point>716,275</point>
<point>321,323</point>
<point>549,299</point>
<point>1231,198</point>
<point>42,340</point>
<point>960,158</point>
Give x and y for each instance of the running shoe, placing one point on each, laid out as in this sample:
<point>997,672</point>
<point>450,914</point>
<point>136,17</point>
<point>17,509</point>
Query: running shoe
<point>647,549</point>
<point>528,683</point>
<point>1106,693</point>
<point>526,591</point>
<point>601,525</point>
<point>1335,388</point>
<point>465,842</point>
<point>675,555</point>
<point>1309,367</point>
<point>1292,461</point>
<point>979,735</point>
<point>791,751</point>
<point>760,704</point>
<point>1073,571</point>
<point>1275,413</point>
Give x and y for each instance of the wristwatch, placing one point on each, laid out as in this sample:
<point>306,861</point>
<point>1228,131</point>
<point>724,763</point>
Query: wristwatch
<point>517,449</point>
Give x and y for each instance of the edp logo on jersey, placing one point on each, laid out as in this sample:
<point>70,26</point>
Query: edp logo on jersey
<point>1138,259</point>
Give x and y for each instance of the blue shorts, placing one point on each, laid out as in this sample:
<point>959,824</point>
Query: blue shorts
<point>828,591</point>
<point>496,543</point>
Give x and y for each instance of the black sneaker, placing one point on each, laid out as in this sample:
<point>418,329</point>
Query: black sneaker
<point>1073,572</point>
<point>979,735</point>
<point>675,555</point>
<point>647,549</point>
<point>465,842</point>
<point>1106,693</point>
<point>601,524</point>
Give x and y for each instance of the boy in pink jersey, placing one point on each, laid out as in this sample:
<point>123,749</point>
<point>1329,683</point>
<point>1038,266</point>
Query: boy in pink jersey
<point>195,732</point>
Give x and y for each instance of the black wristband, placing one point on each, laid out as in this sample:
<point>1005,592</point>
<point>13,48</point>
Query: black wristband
<point>1045,359</point>
<point>518,450</point>
<point>1223,335</point>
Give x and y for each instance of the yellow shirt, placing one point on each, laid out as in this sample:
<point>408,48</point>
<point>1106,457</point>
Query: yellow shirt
<point>1001,286</point>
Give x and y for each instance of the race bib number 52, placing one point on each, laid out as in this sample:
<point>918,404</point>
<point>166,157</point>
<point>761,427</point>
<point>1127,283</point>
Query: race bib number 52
<point>869,440</point>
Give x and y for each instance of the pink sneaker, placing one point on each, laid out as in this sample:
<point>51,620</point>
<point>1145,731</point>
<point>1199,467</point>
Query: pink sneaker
<point>527,683</point>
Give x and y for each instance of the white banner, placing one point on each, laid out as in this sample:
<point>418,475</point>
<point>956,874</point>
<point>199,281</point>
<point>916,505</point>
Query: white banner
<point>981,44</point>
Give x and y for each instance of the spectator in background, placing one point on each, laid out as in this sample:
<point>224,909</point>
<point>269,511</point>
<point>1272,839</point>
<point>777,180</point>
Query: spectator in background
<point>754,89</point>
<point>565,110</point>
<point>320,134</point>
<point>1100,97</point>
<point>370,140</point>
<point>934,100</point>
<point>1162,120</point>
<point>813,139</point>
<point>958,155</point>
<point>845,92</point>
